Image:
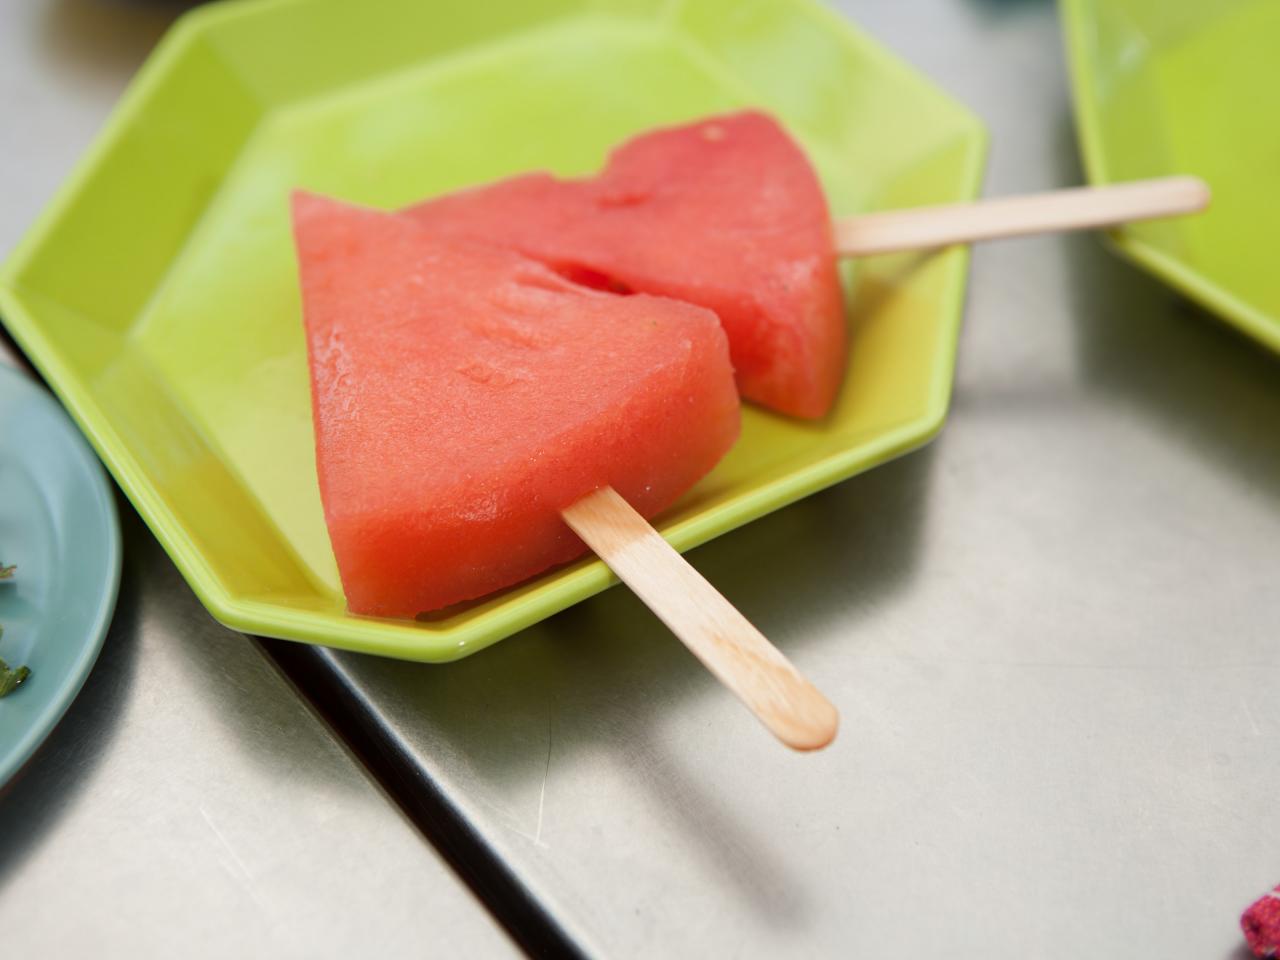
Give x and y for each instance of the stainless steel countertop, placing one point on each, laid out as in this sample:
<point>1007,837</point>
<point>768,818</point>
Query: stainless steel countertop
<point>189,804</point>
<point>1052,635</point>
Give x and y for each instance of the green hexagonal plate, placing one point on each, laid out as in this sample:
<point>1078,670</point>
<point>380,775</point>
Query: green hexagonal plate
<point>1186,86</point>
<point>158,295</point>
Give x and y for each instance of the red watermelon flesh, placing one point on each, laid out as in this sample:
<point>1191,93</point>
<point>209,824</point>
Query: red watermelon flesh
<point>464,394</point>
<point>725,213</point>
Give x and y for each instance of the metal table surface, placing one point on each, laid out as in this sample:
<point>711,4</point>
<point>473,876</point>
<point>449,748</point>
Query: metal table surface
<point>1052,636</point>
<point>189,804</point>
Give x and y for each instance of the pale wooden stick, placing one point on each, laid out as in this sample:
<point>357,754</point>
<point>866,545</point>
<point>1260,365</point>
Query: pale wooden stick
<point>711,627</point>
<point>924,228</point>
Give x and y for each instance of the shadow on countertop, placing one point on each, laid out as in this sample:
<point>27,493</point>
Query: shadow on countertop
<point>107,36</point>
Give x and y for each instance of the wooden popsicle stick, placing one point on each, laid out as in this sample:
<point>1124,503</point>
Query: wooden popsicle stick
<point>711,627</point>
<point>1081,208</point>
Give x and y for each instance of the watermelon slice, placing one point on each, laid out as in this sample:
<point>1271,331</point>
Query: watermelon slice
<point>725,213</point>
<point>463,395</point>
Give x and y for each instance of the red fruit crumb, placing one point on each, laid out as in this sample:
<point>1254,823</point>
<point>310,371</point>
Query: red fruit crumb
<point>1261,924</point>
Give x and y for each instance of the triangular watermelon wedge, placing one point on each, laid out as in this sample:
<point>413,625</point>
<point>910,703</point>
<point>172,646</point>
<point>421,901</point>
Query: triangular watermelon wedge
<point>463,395</point>
<point>725,213</point>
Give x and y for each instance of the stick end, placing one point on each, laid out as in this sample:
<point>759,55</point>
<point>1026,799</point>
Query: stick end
<point>811,729</point>
<point>1196,192</point>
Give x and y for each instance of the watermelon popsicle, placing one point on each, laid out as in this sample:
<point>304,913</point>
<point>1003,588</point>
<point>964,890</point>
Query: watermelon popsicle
<point>466,399</point>
<point>725,213</point>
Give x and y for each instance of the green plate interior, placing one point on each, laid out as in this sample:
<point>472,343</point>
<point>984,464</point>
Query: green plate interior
<point>1188,86</point>
<point>58,524</point>
<point>159,294</point>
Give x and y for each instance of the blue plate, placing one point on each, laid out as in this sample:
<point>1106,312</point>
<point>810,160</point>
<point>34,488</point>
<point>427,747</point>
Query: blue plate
<point>58,524</point>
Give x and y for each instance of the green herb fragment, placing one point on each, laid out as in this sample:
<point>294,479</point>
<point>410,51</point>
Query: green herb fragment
<point>11,679</point>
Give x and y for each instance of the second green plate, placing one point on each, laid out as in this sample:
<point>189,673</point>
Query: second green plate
<point>159,294</point>
<point>1185,86</point>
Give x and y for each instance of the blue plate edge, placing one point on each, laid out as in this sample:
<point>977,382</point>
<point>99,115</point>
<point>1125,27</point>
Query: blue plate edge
<point>16,757</point>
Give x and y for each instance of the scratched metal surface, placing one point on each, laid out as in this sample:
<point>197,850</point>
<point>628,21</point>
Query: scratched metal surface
<point>1053,637</point>
<point>189,804</point>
